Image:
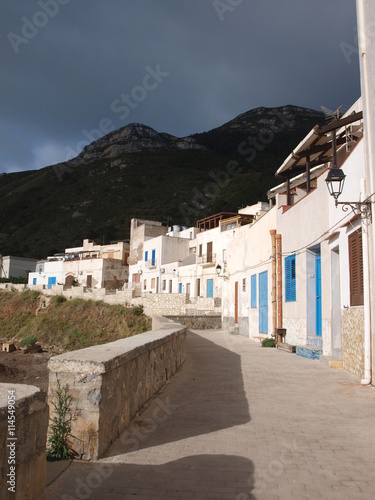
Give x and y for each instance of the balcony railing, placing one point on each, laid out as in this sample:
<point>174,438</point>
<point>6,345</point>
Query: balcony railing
<point>207,259</point>
<point>151,264</point>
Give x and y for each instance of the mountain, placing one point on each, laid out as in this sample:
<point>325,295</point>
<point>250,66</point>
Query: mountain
<point>137,172</point>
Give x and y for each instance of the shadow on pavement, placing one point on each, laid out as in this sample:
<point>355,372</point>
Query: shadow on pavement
<point>201,476</point>
<point>206,395</point>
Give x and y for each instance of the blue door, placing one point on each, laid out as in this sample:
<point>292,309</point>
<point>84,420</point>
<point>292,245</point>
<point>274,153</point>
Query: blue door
<point>318,290</point>
<point>210,288</point>
<point>263,302</point>
<point>51,281</point>
<point>180,288</point>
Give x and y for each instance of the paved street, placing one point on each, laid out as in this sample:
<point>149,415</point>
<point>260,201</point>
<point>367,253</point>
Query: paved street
<point>240,422</point>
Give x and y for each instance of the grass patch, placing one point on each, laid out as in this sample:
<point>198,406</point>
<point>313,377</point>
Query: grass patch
<point>69,324</point>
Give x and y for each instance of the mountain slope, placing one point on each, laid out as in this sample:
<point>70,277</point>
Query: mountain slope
<point>138,172</point>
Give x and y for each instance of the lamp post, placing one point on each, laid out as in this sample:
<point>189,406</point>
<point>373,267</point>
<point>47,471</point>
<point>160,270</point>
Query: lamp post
<point>335,183</point>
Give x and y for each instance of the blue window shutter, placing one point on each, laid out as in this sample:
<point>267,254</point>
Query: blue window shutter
<point>290,278</point>
<point>146,256</point>
<point>153,258</point>
<point>254,290</point>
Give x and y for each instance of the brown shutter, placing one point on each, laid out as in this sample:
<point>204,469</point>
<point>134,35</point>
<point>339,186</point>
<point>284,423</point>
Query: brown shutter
<point>356,268</point>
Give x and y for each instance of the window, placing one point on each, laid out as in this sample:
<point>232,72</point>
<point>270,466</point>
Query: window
<point>152,283</point>
<point>224,255</point>
<point>254,290</point>
<point>356,268</point>
<point>209,251</point>
<point>290,278</point>
<point>146,256</point>
<point>144,284</point>
<point>244,285</point>
<point>164,284</point>
<point>34,281</point>
<point>200,251</point>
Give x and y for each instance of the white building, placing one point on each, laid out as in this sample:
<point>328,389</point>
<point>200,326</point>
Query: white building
<point>15,267</point>
<point>91,265</point>
<point>321,246</point>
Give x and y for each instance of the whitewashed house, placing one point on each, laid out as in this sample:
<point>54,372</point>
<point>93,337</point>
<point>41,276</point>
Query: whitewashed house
<point>247,307</point>
<point>91,265</point>
<point>317,242</point>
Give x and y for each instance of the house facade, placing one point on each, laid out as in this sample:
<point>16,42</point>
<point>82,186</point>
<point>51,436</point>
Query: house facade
<point>15,267</point>
<point>91,265</point>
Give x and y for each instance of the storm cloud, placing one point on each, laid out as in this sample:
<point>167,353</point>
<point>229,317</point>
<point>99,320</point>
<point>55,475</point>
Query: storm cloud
<point>73,70</point>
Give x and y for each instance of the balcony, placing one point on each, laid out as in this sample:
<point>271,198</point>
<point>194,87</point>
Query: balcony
<point>151,264</point>
<point>206,260</point>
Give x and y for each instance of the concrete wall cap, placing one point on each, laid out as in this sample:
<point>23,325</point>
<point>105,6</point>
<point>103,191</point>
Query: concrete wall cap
<point>21,393</point>
<point>101,358</point>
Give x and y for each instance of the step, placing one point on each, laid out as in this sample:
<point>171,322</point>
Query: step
<point>309,352</point>
<point>314,341</point>
<point>283,346</point>
<point>331,362</point>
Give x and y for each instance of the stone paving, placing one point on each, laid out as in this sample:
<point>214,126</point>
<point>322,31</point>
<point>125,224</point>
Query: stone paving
<point>240,422</point>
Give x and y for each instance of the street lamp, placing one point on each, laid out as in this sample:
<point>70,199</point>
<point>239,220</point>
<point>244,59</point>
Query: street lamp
<point>218,269</point>
<point>335,183</point>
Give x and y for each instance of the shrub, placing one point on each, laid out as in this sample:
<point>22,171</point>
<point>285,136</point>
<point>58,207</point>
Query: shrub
<point>268,343</point>
<point>59,299</point>
<point>29,341</point>
<point>137,310</point>
<point>61,425</point>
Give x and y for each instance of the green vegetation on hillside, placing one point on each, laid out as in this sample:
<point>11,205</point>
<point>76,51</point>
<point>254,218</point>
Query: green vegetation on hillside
<point>45,211</point>
<point>68,324</point>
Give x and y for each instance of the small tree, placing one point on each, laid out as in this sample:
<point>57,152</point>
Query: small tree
<point>59,442</point>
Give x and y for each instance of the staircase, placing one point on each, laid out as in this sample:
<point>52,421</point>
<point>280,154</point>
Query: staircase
<point>313,348</point>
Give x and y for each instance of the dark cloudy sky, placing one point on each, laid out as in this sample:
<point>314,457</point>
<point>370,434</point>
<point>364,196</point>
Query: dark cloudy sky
<point>80,68</point>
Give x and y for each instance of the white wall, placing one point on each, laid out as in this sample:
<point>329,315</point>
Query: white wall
<point>248,253</point>
<point>48,269</point>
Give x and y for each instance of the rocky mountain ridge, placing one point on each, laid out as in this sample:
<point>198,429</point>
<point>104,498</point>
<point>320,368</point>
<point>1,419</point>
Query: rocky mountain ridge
<point>136,171</point>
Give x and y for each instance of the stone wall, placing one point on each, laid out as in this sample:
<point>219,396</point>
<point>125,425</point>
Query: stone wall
<point>200,322</point>
<point>352,341</point>
<point>164,304</point>
<point>28,453</point>
<point>110,383</point>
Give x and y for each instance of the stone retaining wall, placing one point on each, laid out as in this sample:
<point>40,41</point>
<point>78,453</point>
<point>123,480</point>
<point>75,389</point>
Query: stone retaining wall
<point>110,383</point>
<point>202,322</point>
<point>352,341</point>
<point>164,304</point>
<point>28,451</point>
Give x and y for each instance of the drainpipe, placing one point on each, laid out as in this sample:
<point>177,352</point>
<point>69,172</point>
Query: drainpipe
<point>366,298</point>
<point>274,296</point>
<point>279,282</point>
